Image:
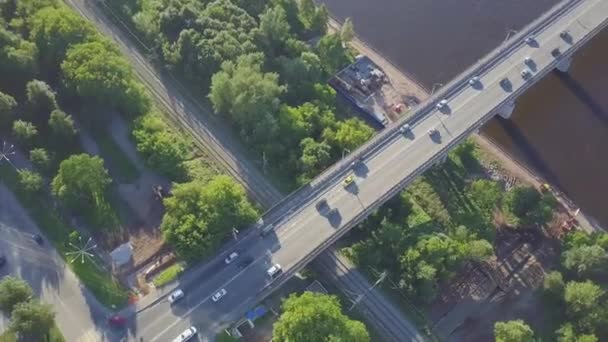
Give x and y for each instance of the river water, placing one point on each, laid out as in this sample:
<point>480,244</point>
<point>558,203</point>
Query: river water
<point>559,127</point>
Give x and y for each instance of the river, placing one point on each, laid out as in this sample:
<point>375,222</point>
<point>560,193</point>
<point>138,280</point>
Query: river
<point>559,127</point>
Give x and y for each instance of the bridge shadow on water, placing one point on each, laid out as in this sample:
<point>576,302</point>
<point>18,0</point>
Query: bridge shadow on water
<point>584,96</point>
<point>529,152</point>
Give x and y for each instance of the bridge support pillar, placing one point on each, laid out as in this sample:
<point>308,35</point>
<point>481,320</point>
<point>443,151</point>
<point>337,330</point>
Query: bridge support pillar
<point>506,110</point>
<point>564,64</point>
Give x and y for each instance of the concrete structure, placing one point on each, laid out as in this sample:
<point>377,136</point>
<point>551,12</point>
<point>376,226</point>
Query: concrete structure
<point>388,163</point>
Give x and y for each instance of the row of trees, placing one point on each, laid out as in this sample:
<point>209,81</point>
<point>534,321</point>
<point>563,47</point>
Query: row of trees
<point>30,319</point>
<point>262,71</point>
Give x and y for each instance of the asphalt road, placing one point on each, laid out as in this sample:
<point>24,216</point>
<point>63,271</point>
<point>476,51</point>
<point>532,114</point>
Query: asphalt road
<point>79,316</point>
<point>389,168</point>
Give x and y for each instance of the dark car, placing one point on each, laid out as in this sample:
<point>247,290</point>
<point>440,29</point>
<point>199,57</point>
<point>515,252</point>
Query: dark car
<point>2,260</point>
<point>38,239</point>
<point>245,261</point>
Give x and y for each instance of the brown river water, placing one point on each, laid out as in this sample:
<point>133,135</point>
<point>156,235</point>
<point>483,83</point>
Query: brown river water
<point>559,127</point>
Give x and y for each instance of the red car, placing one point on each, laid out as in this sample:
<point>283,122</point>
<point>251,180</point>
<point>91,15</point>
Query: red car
<point>117,321</point>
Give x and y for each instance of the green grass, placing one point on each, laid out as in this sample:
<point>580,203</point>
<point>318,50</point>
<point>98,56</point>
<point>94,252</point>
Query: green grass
<point>54,336</point>
<point>168,275</point>
<point>120,165</point>
<point>222,337</point>
<point>107,290</point>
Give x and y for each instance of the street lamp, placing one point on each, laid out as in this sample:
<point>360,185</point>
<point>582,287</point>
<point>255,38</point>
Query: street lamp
<point>509,33</point>
<point>435,87</point>
<point>6,152</point>
<point>344,151</point>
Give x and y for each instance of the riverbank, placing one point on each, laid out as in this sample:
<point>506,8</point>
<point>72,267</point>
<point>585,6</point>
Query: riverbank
<point>406,85</point>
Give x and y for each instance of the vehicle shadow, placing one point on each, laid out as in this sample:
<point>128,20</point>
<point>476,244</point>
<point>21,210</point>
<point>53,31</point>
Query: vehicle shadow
<point>361,170</point>
<point>335,218</point>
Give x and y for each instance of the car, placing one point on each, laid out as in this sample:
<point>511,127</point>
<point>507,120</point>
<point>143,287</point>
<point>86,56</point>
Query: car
<point>433,132</point>
<point>348,181</point>
<point>405,128</point>
<point>274,271</point>
<point>556,52</point>
<point>186,335</point>
<point>530,40</point>
<point>117,321</point>
<point>218,295</point>
<point>564,34</point>
<point>246,261</point>
<point>38,239</point>
<point>2,260</point>
<point>442,104</point>
<point>175,296</point>
<point>528,61</point>
<point>474,81</point>
<point>231,257</point>
<point>505,83</point>
<point>525,74</point>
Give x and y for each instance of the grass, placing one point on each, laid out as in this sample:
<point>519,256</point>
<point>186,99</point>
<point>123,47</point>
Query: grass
<point>55,335</point>
<point>168,275</point>
<point>222,337</point>
<point>118,162</point>
<point>107,289</point>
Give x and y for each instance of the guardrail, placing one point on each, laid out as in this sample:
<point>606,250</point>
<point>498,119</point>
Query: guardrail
<point>427,164</point>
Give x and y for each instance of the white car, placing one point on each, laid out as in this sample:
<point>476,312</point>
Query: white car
<point>175,296</point>
<point>405,128</point>
<point>218,295</point>
<point>474,81</point>
<point>186,335</point>
<point>442,104</point>
<point>231,257</point>
<point>433,132</point>
<point>274,271</point>
<point>525,74</point>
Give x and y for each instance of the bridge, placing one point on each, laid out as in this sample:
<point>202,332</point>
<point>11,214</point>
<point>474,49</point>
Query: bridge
<point>380,169</point>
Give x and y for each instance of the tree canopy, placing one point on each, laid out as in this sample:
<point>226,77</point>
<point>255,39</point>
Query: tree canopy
<point>12,292</point>
<point>513,331</point>
<point>32,320</point>
<point>199,216</point>
<point>316,317</point>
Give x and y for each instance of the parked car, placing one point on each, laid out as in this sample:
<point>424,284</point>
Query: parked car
<point>274,271</point>
<point>186,335</point>
<point>218,295</point>
<point>175,296</point>
<point>231,257</point>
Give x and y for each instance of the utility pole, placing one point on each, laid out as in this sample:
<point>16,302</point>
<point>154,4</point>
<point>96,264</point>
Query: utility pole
<point>264,162</point>
<point>235,233</point>
<point>381,278</point>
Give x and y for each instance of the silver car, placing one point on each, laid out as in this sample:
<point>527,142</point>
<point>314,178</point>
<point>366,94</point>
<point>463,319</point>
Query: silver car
<point>186,335</point>
<point>218,295</point>
<point>175,296</point>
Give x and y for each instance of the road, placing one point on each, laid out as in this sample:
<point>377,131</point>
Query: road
<point>78,314</point>
<point>386,169</point>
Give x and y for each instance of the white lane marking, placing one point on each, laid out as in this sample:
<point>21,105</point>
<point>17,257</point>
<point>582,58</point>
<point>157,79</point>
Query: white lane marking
<point>187,313</point>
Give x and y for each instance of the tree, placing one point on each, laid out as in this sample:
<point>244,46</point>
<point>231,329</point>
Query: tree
<point>81,181</point>
<point>199,216</point>
<point>54,30</point>
<point>41,159</point>
<point>486,194</point>
<point>274,29</point>
<point>582,299</point>
<point>527,204</point>
<point>31,181</point>
<point>567,333</point>
<point>24,131</point>
<point>12,292</point>
<point>347,33</point>
<point>40,97</point>
<point>513,331</point>
<point>7,105</point>
<point>348,135</point>
<point>300,74</point>
<point>62,125</point>
<point>162,149</point>
<point>96,70</point>
<point>315,156</point>
<point>479,250</point>
<point>332,53</point>
<point>32,321</point>
<point>248,96</point>
<point>18,59</point>
<point>316,317</point>
<point>585,259</point>
<point>553,284</point>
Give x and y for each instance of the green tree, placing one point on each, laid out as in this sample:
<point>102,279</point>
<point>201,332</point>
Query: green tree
<point>40,97</point>
<point>32,321</point>
<point>582,299</point>
<point>486,194</point>
<point>479,250</point>
<point>315,156</point>
<point>97,70</point>
<point>163,150</point>
<point>54,30</point>
<point>513,331</point>
<point>567,333</point>
<point>7,105</point>
<point>300,74</point>
<point>62,125</point>
<point>348,135</point>
<point>274,29</point>
<point>12,292</point>
<point>316,317</point>
<point>199,216</point>
<point>81,181</point>
<point>347,33</point>
<point>31,181</point>
<point>24,131</point>
<point>332,53</point>
<point>41,159</point>
<point>553,284</point>
<point>528,206</point>
<point>18,59</point>
<point>248,96</point>
<point>585,259</point>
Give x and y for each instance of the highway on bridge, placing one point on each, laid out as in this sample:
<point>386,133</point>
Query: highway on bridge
<point>386,168</point>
